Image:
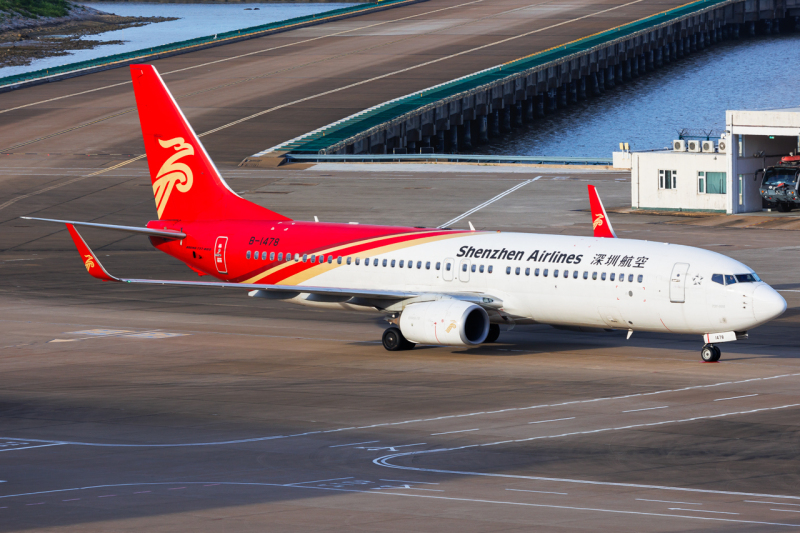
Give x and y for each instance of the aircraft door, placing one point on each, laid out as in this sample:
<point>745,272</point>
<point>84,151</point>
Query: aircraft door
<point>677,283</point>
<point>463,270</point>
<point>447,269</point>
<point>219,255</point>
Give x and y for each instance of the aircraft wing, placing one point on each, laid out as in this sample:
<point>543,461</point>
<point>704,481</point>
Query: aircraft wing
<point>96,269</point>
<point>601,225</point>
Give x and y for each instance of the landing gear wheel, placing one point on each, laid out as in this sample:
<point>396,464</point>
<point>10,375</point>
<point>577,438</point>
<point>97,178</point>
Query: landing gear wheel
<point>710,353</point>
<point>394,341</point>
<point>494,333</point>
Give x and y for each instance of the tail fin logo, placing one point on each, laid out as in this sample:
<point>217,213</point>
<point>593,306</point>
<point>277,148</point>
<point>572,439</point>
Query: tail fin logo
<point>173,174</point>
<point>89,263</point>
<point>598,221</point>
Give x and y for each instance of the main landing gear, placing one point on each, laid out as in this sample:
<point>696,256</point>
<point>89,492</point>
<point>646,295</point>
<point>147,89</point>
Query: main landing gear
<point>710,353</point>
<point>394,341</point>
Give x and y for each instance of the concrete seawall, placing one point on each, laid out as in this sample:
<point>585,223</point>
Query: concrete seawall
<point>462,113</point>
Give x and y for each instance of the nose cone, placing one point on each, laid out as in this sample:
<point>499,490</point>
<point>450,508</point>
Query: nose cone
<point>767,304</point>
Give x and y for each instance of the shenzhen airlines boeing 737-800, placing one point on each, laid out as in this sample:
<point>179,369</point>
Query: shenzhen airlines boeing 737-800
<point>435,286</point>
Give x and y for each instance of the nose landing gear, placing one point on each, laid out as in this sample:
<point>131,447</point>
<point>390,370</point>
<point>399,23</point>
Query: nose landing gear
<point>710,353</point>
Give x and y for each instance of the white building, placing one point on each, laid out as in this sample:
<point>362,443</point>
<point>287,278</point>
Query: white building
<point>722,180</point>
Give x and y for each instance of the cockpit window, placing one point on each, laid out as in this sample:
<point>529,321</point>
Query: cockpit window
<point>717,278</point>
<point>747,278</point>
<point>729,279</point>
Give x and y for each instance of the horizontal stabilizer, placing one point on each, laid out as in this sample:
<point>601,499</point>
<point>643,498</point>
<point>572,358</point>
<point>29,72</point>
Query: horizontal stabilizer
<point>167,234</point>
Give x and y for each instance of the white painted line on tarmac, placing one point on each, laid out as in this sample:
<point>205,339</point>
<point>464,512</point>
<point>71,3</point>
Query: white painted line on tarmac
<point>773,503</point>
<point>32,447</point>
<point>646,409</point>
<point>412,482</point>
<point>488,202</point>
<point>459,431</point>
<point>318,480</point>
<point>785,510</point>
<point>402,422</point>
<point>354,444</point>
<point>540,491</point>
<point>666,501</point>
<point>735,397</point>
<point>702,511</point>
<point>553,420</point>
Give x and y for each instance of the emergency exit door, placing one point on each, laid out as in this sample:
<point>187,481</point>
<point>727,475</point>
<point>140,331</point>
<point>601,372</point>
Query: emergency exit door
<point>219,254</point>
<point>677,283</point>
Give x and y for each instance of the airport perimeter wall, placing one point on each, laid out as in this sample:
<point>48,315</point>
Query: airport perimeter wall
<point>455,115</point>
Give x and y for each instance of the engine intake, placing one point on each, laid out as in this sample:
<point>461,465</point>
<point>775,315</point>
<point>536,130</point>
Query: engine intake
<point>449,322</point>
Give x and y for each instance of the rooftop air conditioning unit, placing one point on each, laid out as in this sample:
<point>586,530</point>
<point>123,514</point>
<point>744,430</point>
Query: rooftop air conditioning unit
<point>679,146</point>
<point>693,146</point>
<point>708,146</point>
<point>723,145</point>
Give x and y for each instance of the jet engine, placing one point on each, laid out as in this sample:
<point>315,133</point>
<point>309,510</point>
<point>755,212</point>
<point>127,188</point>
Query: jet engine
<point>449,322</point>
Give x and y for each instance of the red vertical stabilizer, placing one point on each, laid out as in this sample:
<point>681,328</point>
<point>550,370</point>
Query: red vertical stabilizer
<point>600,222</point>
<point>186,184</point>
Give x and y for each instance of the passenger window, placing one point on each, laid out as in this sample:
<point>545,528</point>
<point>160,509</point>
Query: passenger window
<point>508,270</point>
<point>411,264</point>
<point>272,256</point>
<point>330,260</point>
<point>575,275</point>
<point>527,271</point>
<point>366,261</point>
<point>304,258</point>
<point>544,273</point>
<point>358,260</point>
<point>321,259</point>
<point>516,271</point>
<point>490,269</point>
<point>630,278</point>
<point>313,259</point>
<point>621,276</point>
<point>717,278</point>
<point>729,280</point>
<point>474,267</point>
<point>446,267</point>
<point>566,273</point>
<point>385,261</point>
<point>464,267</point>
<point>603,276</point>
<point>481,269</point>
<point>392,263</point>
<point>611,277</point>
<point>585,275</point>
<point>536,272</point>
<point>402,262</point>
<point>339,260</point>
<point>555,273</point>
<point>349,259</point>
<point>280,256</point>
<point>428,265</point>
<point>296,258</point>
<point>419,265</point>
<point>439,265</point>
<point>640,278</point>
<point>248,254</point>
<point>594,275</point>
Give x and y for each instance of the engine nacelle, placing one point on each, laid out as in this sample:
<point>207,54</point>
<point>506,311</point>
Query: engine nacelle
<point>450,322</point>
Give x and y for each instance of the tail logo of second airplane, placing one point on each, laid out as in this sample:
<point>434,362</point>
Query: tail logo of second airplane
<point>172,173</point>
<point>598,221</point>
<point>89,263</point>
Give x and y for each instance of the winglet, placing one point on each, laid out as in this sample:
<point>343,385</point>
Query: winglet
<point>600,222</point>
<point>88,257</point>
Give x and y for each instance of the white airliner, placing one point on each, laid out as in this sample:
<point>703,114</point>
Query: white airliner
<point>434,286</point>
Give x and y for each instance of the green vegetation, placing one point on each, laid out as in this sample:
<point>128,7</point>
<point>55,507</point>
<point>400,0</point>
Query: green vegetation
<point>34,8</point>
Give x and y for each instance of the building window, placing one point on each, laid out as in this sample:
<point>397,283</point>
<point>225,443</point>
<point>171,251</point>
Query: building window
<point>667,179</point>
<point>701,183</point>
<point>716,182</point>
<point>741,189</point>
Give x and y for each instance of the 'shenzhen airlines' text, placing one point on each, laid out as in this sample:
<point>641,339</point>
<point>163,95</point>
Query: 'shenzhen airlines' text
<point>542,256</point>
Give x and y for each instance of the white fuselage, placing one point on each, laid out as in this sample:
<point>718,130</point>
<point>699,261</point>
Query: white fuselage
<point>571,281</point>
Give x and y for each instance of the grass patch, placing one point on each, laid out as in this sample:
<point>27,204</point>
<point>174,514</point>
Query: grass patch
<point>34,8</point>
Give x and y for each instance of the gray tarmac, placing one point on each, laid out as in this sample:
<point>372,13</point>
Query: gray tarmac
<point>130,408</point>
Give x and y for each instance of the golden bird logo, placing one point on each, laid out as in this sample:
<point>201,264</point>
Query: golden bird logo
<point>598,221</point>
<point>172,175</point>
<point>89,263</point>
<point>451,327</point>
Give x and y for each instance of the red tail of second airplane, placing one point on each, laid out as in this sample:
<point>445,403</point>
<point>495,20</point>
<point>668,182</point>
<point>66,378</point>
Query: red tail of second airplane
<point>186,184</point>
<point>601,225</point>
